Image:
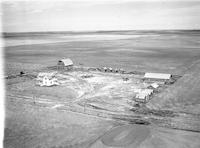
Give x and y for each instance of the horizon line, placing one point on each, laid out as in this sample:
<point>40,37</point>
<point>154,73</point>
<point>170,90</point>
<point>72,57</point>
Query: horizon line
<point>80,31</point>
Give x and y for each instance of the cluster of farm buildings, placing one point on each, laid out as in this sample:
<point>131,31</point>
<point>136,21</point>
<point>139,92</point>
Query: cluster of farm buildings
<point>142,95</point>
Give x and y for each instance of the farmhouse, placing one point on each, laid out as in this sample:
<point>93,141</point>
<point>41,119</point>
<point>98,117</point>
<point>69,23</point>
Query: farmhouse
<point>48,82</point>
<point>49,75</point>
<point>157,76</point>
<point>65,63</point>
<point>47,79</point>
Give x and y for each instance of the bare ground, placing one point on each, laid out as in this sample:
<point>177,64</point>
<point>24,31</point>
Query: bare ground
<point>36,124</point>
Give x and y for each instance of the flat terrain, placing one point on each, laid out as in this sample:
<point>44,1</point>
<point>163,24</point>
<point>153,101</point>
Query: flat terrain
<point>145,51</point>
<point>50,116</point>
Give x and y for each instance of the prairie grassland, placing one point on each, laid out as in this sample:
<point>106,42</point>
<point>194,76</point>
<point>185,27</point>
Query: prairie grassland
<point>30,124</point>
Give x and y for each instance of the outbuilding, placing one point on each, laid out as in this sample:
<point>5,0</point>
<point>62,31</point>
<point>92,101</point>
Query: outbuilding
<point>154,85</point>
<point>116,70</point>
<point>65,63</point>
<point>104,69</point>
<point>159,76</point>
<point>110,69</point>
<point>141,97</point>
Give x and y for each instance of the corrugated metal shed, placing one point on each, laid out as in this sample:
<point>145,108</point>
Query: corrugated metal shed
<point>157,76</point>
<point>65,62</point>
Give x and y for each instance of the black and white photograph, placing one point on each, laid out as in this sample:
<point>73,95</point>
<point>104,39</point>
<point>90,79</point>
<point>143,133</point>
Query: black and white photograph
<point>100,73</point>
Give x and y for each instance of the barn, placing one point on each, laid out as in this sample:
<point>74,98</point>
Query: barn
<point>65,63</point>
<point>158,76</point>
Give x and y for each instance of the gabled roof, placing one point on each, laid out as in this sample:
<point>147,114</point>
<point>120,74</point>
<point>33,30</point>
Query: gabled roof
<point>157,76</point>
<point>48,74</point>
<point>154,85</point>
<point>67,62</point>
<point>141,96</point>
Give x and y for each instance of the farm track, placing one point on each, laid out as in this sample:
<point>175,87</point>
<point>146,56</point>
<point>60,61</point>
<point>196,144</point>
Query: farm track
<point>180,121</point>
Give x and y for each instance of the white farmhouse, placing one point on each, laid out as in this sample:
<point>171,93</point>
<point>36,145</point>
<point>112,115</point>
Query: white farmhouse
<point>47,79</point>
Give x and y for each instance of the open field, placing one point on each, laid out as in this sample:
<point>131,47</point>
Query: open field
<point>94,112</point>
<point>156,51</point>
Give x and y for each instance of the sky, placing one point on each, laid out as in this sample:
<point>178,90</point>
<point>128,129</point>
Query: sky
<point>92,15</point>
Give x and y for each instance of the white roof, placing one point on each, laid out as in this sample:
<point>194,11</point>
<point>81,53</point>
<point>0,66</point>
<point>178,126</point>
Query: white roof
<point>141,96</point>
<point>67,62</point>
<point>154,85</point>
<point>157,75</point>
<point>144,93</point>
<point>48,74</point>
<point>147,91</point>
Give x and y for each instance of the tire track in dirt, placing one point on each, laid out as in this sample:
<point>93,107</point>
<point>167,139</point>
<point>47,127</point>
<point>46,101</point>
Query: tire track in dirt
<point>180,122</point>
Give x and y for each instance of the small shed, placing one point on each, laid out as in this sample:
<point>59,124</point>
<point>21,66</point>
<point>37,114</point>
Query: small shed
<point>161,76</point>
<point>110,69</point>
<point>105,69</point>
<point>116,70</point>
<point>143,95</point>
<point>141,98</point>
